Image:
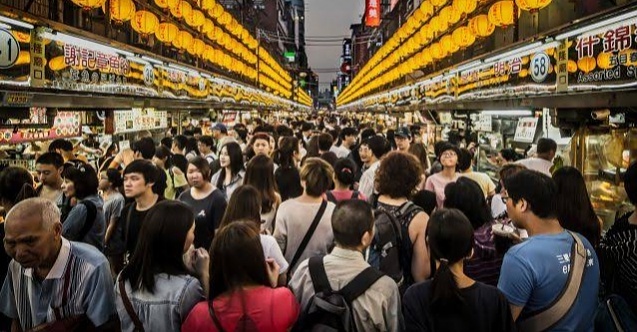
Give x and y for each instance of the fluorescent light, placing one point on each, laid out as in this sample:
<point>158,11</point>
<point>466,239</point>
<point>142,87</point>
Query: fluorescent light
<point>151,60</point>
<point>61,37</point>
<point>516,51</point>
<point>508,112</point>
<point>466,67</point>
<point>602,24</point>
<point>11,21</point>
<point>182,68</point>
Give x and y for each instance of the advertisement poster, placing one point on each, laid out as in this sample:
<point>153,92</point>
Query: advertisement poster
<point>65,125</point>
<point>525,131</point>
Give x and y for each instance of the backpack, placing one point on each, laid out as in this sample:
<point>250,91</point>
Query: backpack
<point>331,198</point>
<point>91,214</point>
<point>330,310</point>
<point>390,251</point>
<point>615,314</point>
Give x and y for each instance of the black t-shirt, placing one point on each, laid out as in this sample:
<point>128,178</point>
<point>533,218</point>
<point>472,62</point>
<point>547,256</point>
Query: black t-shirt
<point>134,225</point>
<point>208,214</point>
<point>486,310</point>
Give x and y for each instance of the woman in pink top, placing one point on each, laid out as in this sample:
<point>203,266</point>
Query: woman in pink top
<point>242,287</point>
<point>344,178</point>
<point>437,182</point>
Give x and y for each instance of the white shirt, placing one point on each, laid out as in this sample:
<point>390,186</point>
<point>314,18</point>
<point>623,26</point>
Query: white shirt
<point>366,185</point>
<point>537,164</point>
<point>272,250</point>
<point>340,151</point>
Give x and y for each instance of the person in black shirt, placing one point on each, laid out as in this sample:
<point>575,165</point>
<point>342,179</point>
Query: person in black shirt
<point>287,176</point>
<point>139,178</point>
<point>451,301</point>
<point>206,201</point>
<point>144,148</point>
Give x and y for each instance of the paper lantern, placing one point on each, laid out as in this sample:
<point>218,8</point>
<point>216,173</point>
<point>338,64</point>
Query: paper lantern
<point>448,45</point>
<point>57,63</point>
<point>120,10</point>
<point>438,3</point>
<point>216,11</point>
<point>465,6</point>
<point>426,10</point>
<point>571,66</point>
<point>196,47</point>
<point>207,26</point>
<point>21,37</point>
<point>166,32</point>
<point>24,57</point>
<point>207,4</point>
<point>523,73</point>
<point>481,26</point>
<point>183,9</point>
<point>144,22</point>
<point>89,4</point>
<point>166,4</point>
<point>225,19</point>
<point>586,64</point>
<point>532,5</point>
<point>463,37</point>
<point>449,15</point>
<point>603,60</point>
<point>183,40</point>
<point>501,13</point>
<point>195,18</point>
<point>437,52</point>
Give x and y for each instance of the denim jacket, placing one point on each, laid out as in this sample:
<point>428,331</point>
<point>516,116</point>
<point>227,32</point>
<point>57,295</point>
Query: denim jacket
<point>166,309</point>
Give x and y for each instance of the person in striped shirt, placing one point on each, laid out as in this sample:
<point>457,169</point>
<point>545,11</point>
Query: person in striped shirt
<point>50,278</point>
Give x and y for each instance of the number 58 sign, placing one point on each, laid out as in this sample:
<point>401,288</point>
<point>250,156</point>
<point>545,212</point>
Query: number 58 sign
<point>540,64</point>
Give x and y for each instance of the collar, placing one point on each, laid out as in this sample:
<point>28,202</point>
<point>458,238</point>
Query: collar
<point>57,271</point>
<point>347,254</point>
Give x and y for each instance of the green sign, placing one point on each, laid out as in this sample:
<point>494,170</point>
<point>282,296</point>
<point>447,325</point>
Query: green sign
<point>290,56</point>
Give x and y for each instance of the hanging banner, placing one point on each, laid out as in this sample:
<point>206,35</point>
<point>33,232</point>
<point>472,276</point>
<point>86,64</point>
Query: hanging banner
<point>138,119</point>
<point>65,125</point>
<point>525,131</point>
<point>372,13</point>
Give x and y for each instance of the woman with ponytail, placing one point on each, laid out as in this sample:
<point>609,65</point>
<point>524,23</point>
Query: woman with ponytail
<point>451,301</point>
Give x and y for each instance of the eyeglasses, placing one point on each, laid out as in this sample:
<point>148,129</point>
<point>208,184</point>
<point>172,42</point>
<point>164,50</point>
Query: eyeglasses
<point>505,199</point>
<point>448,155</point>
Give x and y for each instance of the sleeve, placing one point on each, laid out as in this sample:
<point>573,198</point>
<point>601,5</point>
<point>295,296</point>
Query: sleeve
<point>198,319</point>
<point>219,208</point>
<point>504,316</point>
<point>117,207</point>
<point>413,315</point>
<point>7,297</point>
<point>429,185</point>
<point>192,295</point>
<point>366,186</point>
<point>301,283</point>
<point>280,229</point>
<point>73,224</point>
<point>516,280</point>
<point>392,311</point>
<point>274,252</point>
<point>215,178</point>
<point>99,300</point>
<point>490,184</point>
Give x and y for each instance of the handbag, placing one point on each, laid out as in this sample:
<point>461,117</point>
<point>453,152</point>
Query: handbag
<point>556,311</point>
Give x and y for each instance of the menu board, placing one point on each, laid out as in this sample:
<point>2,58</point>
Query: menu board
<point>525,131</point>
<point>138,119</point>
<point>65,125</point>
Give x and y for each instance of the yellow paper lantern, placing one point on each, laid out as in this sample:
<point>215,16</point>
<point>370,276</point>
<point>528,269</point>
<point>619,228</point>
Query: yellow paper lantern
<point>120,10</point>
<point>523,73</point>
<point>21,37</point>
<point>57,63</point>
<point>465,6</point>
<point>89,4</point>
<point>207,26</point>
<point>463,37</point>
<point>603,60</point>
<point>183,41</point>
<point>225,19</point>
<point>437,52</point>
<point>501,13</point>
<point>449,15</point>
<point>207,4</point>
<point>183,9</point>
<point>448,45</point>
<point>532,5</point>
<point>571,66</point>
<point>195,19</point>
<point>166,32</point>
<point>166,4</point>
<point>216,11</point>
<point>438,3</point>
<point>24,57</point>
<point>144,22</point>
<point>481,26</point>
<point>586,64</point>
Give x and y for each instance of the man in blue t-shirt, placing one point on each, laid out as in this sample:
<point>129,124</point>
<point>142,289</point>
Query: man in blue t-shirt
<point>535,272</point>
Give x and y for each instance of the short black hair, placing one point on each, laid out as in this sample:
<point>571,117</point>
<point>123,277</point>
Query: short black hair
<point>367,133</point>
<point>509,154</point>
<point>325,141</point>
<point>537,189</point>
<point>349,131</point>
<point>162,152</point>
<point>630,182</point>
<point>207,141</point>
<point>61,144</point>
<point>546,145</point>
<point>167,142</point>
<point>464,160</point>
<point>83,177</point>
<point>145,146</point>
<point>181,141</point>
<point>351,219</point>
<point>379,145</point>
<point>51,158</point>
<point>306,126</point>
<point>144,167</point>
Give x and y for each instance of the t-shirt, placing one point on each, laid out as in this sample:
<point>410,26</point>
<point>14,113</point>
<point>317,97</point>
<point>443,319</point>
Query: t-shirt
<point>483,180</point>
<point>537,164</point>
<point>343,195</point>
<point>272,250</point>
<point>535,272</point>
<point>208,213</point>
<point>618,255</point>
<point>261,309</point>
<point>134,224</point>
<point>437,184</point>
<point>113,207</point>
<point>486,310</point>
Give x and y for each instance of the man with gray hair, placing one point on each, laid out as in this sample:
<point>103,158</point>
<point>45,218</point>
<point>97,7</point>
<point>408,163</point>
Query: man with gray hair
<point>53,281</point>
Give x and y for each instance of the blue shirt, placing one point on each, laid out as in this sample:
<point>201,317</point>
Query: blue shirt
<point>535,272</point>
<point>72,226</point>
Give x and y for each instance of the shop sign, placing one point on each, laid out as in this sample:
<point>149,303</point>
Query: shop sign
<point>17,99</point>
<point>65,125</point>
<point>482,122</point>
<point>372,13</point>
<point>38,58</point>
<point>9,49</point>
<point>138,119</point>
<point>525,131</point>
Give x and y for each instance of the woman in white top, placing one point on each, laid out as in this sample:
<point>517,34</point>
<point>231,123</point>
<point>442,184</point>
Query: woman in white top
<point>165,277</point>
<point>245,205</point>
<point>260,174</point>
<point>231,174</point>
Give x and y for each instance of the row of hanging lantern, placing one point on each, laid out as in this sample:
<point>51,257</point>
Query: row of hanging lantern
<point>413,46</point>
<point>237,44</point>
<point>303,97</point>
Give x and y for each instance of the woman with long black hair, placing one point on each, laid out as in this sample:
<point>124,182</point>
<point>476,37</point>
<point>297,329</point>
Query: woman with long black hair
<point>260,175</point>
<point>287,176</point>
<point>242,296</point>
<point>232,171</point>
<point>452,301</point>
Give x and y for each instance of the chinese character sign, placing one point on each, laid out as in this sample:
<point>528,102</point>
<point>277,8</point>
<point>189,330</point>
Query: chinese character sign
<point>372,13</point>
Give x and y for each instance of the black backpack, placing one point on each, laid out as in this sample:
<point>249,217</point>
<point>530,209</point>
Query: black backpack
<point>390,251</point>
<point>91,214</point>
<point>330,310</point>
<point>331,198</point>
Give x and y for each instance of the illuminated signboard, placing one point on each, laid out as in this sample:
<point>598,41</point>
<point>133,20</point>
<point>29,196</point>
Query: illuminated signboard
<point>65,125</point>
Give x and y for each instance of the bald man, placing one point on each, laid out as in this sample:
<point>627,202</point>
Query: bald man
<point>50,278</point>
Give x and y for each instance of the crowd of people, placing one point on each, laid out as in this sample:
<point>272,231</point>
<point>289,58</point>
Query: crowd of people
<point>309,225</point>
